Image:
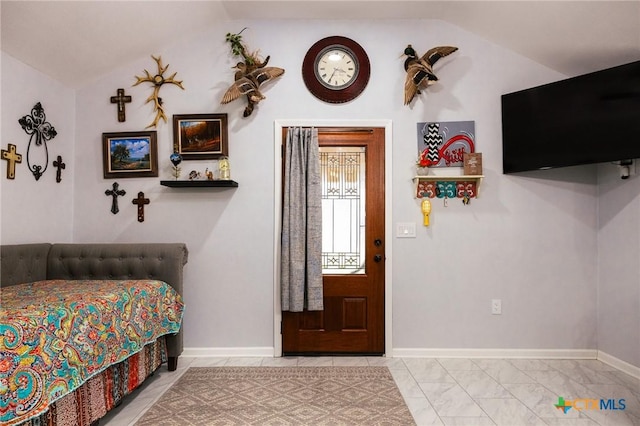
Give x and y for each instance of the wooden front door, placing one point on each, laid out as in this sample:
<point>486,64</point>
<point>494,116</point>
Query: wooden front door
<point>352,162</point>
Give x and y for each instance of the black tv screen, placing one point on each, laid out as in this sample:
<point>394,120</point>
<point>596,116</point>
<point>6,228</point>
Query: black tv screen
<point>592,118</point>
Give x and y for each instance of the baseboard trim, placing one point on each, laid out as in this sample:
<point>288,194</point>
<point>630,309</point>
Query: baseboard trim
<point>621,365</point>
<point>496,353</point>
<point>234,352</point>
<point>264,352</point>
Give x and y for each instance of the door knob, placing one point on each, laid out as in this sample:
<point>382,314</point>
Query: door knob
<point>377,258</point>
<point>377,242</point>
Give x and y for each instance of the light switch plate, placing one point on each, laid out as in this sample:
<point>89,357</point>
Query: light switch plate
<point>496,306</point>
<point>406,230</point>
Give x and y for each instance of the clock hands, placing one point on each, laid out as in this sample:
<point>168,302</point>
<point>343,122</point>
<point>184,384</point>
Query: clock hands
<point>332,74</point>
<point>338,70</point>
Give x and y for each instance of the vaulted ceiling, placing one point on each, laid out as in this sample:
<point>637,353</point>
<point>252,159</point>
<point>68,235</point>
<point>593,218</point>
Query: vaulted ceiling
<point>77,41</point>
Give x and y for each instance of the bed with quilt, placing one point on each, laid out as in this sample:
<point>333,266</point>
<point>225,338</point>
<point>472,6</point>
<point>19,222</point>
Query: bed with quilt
<point>83,325</point>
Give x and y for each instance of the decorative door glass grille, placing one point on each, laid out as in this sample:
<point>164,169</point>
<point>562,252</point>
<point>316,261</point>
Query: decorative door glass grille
<point>343,209</point>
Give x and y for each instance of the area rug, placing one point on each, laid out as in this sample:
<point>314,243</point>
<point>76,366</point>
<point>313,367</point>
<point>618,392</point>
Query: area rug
<point>281,396</point>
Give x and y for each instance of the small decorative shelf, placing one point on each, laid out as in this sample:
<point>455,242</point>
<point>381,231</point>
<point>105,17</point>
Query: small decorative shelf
<point>432,186</point>
<point>200,183</point>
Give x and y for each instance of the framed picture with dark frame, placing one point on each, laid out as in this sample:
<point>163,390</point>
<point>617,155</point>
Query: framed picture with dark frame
<point>130,154</point>
<point>200,136</point>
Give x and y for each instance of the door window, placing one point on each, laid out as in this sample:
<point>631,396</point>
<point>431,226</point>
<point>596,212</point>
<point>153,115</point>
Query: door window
<point>343,210</point>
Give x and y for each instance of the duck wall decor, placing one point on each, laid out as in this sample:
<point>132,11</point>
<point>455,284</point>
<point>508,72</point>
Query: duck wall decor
<point>250,74</point>
<point>419,70</point>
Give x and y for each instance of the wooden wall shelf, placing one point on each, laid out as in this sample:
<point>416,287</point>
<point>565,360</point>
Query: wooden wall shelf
<point>199,183</point>
<point>470,183</point>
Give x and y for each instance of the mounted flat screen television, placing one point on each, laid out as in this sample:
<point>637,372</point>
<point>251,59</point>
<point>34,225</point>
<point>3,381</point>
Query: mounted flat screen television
<point>592,118</point>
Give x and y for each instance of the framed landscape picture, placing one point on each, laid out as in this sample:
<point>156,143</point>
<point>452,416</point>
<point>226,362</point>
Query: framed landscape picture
<point>130,154</point>
<point>200,136</point>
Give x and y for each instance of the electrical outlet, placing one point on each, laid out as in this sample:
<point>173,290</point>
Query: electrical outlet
<point>496,307</point>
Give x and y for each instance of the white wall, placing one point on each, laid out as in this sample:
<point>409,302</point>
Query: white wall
<point>42,210</point>
<point>619,270</point>
<point>529,240</point>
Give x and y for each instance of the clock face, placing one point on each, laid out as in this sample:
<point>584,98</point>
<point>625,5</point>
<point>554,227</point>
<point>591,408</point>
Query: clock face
<point>336,67</point>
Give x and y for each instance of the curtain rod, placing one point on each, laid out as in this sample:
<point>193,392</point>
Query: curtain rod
<point>338,129</point>
<point>345,130</point>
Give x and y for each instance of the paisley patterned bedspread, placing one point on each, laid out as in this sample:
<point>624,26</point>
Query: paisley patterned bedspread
<point>56,334</point>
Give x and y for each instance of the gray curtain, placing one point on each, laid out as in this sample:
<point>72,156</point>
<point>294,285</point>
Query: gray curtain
<point>301,266</point>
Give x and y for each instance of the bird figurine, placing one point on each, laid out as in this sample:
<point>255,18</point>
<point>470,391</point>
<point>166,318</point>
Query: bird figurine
<point>248,67</point>
<point>419,70</point>
<point>248,83</point>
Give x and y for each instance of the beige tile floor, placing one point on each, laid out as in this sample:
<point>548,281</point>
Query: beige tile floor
<point>439,391</point>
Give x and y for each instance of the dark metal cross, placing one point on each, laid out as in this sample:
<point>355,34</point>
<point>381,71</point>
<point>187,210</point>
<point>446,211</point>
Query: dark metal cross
<point>40,131</point>
<point>60,166</point>
<point>114,193</point>
<point>141,201</point>
<point>121,99</point>
<point>12,158</point>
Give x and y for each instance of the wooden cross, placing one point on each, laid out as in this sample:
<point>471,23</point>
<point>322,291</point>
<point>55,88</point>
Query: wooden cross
<point>121,99</point>
<point>114,193</point>
<point>140,201</point>
<point>12,158</point>
<point>59,165</point>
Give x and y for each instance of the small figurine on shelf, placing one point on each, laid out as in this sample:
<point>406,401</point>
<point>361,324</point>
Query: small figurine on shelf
<point>175,160</point>
<point>208,173</point>
<point>422,170</point>
<point>225,169</point>
<point>422,164</point>
<point>193,175</point>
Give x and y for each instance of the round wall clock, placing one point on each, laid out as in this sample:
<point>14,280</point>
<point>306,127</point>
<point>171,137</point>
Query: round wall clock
<point>336,69</point>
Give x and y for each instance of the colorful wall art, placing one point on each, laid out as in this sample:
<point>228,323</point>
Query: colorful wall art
<point>442,144</point>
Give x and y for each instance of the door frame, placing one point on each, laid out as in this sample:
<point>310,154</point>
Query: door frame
<point>388,223</point>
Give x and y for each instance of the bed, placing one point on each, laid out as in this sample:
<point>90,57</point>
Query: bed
<point>83,325</point>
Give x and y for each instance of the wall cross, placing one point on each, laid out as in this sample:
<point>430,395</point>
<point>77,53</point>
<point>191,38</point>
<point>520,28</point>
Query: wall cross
<point>121,99</point>
<point>59,165</point>
<point>12,158</point>
<point>40,131</point>
<point>141,201</point>
<point>114,193</point>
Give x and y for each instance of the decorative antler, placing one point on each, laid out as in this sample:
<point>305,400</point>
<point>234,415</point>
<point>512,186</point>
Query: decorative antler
<point>158,80</point>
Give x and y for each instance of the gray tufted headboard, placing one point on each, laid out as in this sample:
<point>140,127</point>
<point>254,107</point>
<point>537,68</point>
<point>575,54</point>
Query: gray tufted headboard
<point>159,261</point>
<point>23,263</point>
<point>155,261</point>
